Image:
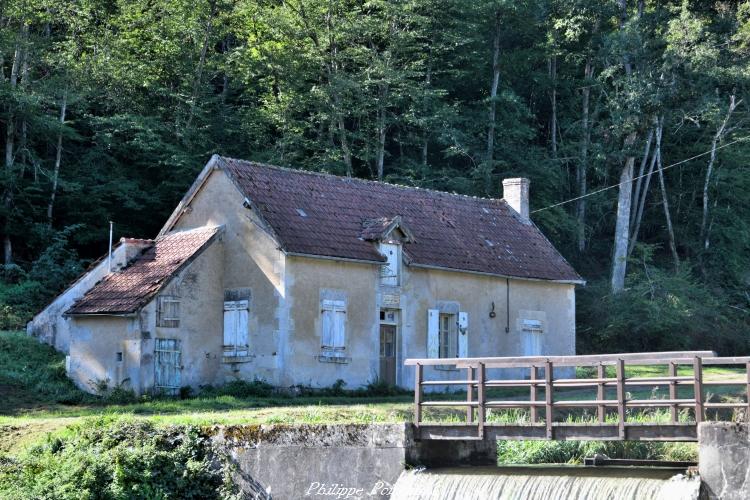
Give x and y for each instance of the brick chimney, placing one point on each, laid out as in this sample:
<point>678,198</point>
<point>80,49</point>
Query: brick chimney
<point>516,194</point>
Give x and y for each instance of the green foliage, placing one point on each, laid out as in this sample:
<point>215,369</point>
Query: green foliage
<point>108,459</point>
<point>573,452</point>
<point>660,310</point>
<point>240,389</point>
<point>33,374</point>
<point>151,89</point>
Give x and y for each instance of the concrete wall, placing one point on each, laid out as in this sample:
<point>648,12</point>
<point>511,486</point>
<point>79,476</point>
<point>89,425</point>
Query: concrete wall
<point>301,461</point>
<point>49,325</point>
<point>724,460</point>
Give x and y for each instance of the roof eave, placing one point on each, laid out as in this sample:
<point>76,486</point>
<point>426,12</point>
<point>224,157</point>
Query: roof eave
<point>333,257</point>
<point>498,275</point>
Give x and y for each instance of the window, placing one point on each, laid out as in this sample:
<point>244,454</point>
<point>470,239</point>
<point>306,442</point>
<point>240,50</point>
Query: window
<point>236,312</point>
<point>531,333</point>
<point>448,336</point>
<point>333,325</point>
<point>447,333</point>
<point>168,312</point>
<point>390,270</point>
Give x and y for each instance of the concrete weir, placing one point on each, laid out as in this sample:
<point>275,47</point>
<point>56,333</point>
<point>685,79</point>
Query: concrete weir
<point>336,461</point>
<point>323,461</point>
<point>362,461</point>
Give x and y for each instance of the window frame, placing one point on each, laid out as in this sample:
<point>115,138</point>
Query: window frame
<point>387,279</point>
<point>451,332</point>
<point>162,320</point>
<point>333,306</point>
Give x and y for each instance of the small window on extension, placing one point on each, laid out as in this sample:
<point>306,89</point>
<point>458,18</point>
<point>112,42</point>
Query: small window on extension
<point>168,312</point>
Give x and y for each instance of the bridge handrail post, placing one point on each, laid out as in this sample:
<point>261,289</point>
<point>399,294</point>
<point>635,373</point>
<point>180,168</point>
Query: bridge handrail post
<point>747,409</point>
<point>469,394</point>
<point>601,409</point>
<point>481,399</point>
<point>698,388</point>
<point>673,391</point>
<point>417,394</point>
<point>621,398</point>
<point>549,413</point>
<point>534,413</point>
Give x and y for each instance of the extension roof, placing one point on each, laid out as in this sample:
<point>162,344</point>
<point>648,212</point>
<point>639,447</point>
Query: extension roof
<point>324,215</point>
<point>127,291</point>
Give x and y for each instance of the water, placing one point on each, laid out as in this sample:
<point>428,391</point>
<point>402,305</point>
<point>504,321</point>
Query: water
<point>546,483</point>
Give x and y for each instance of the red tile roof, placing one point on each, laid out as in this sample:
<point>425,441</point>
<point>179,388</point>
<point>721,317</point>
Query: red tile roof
<point>128,290</point>
<point>324,215</point>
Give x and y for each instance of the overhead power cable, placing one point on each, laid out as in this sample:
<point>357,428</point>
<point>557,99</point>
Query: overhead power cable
<point>597,191</point>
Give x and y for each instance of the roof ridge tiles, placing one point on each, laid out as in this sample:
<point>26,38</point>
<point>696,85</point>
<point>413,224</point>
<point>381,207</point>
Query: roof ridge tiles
<point>358,179</point>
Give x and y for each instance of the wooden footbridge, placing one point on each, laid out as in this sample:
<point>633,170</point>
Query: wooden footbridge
<point>596,406</point>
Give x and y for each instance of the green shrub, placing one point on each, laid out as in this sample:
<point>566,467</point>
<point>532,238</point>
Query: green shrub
<point>240,389</point>
<point>573,452</point>
<point>34,372</point>
<point>117,460</point>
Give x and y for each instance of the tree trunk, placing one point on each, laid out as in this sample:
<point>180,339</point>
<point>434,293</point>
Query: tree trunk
<point>427,84</point>
<point>665,199</point>
<point>58,157</point>
<point>493,89</point>
<point>641,171</point>
<point>380,154</point>
<point>622,225</point>
<point>625,196</point>
<point>581,171</point>
<point>10,132</point>
<point>718,136</point>
<point>201,63</point>
<point>640,204</point>
<point>552,64</point>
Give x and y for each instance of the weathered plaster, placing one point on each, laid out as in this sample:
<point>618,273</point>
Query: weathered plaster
<point>49,325</point>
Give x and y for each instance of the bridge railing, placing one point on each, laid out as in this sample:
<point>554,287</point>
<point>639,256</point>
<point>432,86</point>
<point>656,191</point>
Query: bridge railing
<point>542,376</point>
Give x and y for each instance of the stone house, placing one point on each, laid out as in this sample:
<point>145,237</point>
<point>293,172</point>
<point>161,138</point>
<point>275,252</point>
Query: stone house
<point>301,278</point>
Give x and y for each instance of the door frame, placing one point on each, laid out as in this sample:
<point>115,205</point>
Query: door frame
<point>396,322</point>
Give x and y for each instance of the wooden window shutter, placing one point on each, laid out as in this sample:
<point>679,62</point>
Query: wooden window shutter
<point>463,335</point>
<point>433,333</point>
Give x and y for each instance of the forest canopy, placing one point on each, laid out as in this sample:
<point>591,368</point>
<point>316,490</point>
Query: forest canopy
<point>110,108</point>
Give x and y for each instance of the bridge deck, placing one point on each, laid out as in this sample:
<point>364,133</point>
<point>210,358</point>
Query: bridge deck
<point>544,412</point>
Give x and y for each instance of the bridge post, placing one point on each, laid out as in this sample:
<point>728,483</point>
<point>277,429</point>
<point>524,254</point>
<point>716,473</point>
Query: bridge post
<point>533,396</point>
<point>621,398</point>
<point>601,409</point>
<point>481,399</point>
<point>747,409</point>
<point>698,388</point>
<point>417,394</point>
<point>469,395</point>
<point>549,412</point>
<point>673,391</point>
